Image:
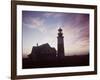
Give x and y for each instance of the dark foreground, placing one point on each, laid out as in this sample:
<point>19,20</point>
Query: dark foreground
<point>79,60</point>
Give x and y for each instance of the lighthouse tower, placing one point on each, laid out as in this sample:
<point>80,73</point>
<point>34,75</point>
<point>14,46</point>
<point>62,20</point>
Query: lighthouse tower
<point>60,44</point>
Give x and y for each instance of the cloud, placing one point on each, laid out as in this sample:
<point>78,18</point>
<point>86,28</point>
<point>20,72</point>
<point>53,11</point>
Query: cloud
<point>35,23</point>
<point>76,39</point>
<point>75,30</point>
<point>54,15</point>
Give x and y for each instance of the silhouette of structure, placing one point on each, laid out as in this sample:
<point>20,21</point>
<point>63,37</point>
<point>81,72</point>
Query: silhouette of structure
<point>45,52</point>
<point>42,53</point>
<point>60,44</point>
<point>46,56</point>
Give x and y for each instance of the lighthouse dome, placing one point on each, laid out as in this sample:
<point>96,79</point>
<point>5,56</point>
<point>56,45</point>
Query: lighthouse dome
<point>59,29</point>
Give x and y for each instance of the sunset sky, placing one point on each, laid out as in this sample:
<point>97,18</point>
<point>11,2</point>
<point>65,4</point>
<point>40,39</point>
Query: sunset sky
<point>42,27</point>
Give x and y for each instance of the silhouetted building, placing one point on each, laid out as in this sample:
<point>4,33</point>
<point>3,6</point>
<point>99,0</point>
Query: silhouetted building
<point>45,52</point>
<point>42,53</point>
<point>46,56</point>
<point>60,44</point>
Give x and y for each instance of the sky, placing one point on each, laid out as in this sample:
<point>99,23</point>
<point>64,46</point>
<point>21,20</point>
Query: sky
<point>42,27</point>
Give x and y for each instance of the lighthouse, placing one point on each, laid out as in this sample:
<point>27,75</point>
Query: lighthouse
<point>60,44</point>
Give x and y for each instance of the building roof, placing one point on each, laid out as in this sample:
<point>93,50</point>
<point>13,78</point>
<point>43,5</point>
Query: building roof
<point>44,48</point>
